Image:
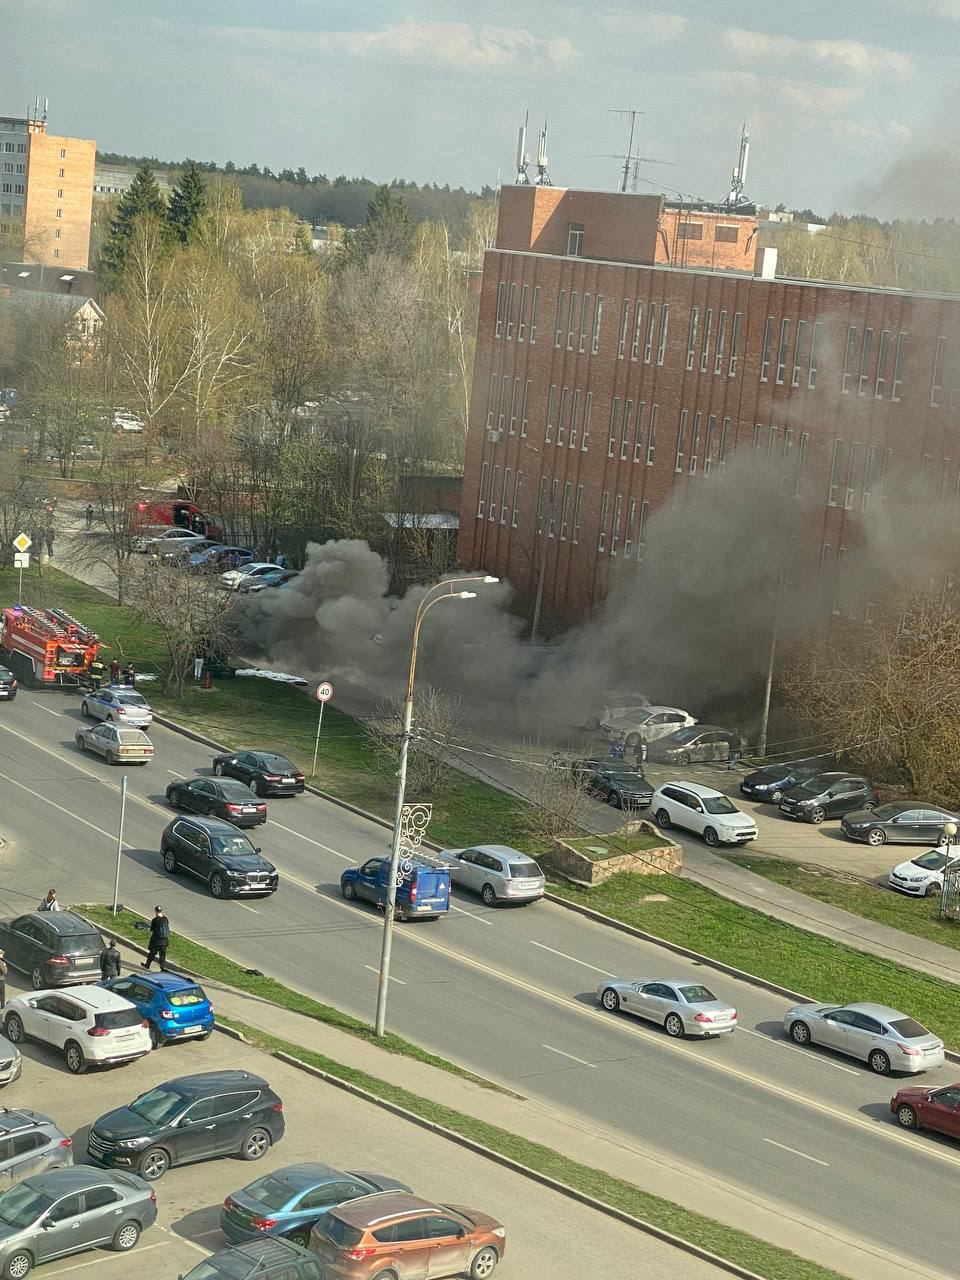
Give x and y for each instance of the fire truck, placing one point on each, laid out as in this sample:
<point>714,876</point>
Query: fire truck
<point>46,646</point>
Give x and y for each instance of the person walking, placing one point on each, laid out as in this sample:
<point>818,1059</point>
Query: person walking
<point>88,512</point>
<point>617,747</point>
<point>640,754</point>
<point>159,938</point>
<point>109,961</point>
<point>281,560</point>
<point>114,671</point>
<point>198,666</point>
<point>3,979</point>
<point>129,676</point>
<point>48,539</point>
<point>49,903</point>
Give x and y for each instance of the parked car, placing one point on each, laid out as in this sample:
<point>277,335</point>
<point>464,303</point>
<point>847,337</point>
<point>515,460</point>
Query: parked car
<point>216,559</point>
<point>646,724</point>
<point>115,743</point>
<point>216,852</point>
<point>278,578</point>
<point>827,795</point>
<point>271,1259</point>
<point>772,781</point>
<point>264,772</point>
<point>232,578</point>
<point>614,782</point>
<point>177,548</point>
<point>704,810</point>
<point>423,891</point>
<point>66,1211</point>
<point>90,1025</point>
<point>288,1202</point>
<point>498,873</point>
<point>158,538</point>
<point>922,877</point>
<point>11,1068</point>
<point>174,1007</point>
<point>224,798</point>
<point>935,1109</point>
<point>681,1007</point>
<point>117,703</point>
<point>702,742</point>
<point>614,702</point>
<point>30,1142</point>
<point>55,948</point>
<point>8,684</point>
<point>884,1038</point>
<point>198,1117</point>
<point>394,1234</point>
<point>897,824</point>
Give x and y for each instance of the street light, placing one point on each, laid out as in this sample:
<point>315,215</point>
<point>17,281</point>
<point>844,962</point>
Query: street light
<point>437,593</point>
<point>949,835</point>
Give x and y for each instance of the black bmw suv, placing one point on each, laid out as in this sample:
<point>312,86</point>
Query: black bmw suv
<point>214,1113</point>
<point>216,852</point>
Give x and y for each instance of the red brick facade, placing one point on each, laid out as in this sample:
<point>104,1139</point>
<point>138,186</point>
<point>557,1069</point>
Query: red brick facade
<point>605,385</point>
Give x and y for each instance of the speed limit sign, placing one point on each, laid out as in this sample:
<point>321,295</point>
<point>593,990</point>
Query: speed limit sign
<point>324,691</point>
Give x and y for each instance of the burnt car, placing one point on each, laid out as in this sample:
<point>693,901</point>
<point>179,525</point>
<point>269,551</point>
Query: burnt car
<point>700,742</point>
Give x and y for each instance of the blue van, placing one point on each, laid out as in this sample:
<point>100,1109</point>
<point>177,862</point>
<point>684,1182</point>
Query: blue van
<point>423,893</point>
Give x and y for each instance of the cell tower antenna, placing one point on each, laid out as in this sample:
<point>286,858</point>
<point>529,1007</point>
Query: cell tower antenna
<point>523,158</point>
<point>735,195</point>
<point>543,177</point>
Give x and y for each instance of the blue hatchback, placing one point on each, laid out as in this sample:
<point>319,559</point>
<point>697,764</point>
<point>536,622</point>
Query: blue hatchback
<point>175,1008</point>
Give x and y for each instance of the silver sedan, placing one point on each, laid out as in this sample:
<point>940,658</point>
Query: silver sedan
<point>681,1007</point>
<point>884,1038</point>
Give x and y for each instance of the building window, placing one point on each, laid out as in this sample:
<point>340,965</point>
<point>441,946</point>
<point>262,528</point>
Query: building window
<point>597,318</point>
<point>881,382</point>
<point>782,351</point>
<point>651,328</point>
<point>614,422</point>
<point>492,513</point>
<point>662,343</point>
<point>501,307</point>
<point>504,389</point>
<point>757,439</point>
<point>56,234</point>
<point>708,444</point>
<point>59,213</point>
<point>577,507</point>
<point>814,342</point>
<point>575,418</point>
<point>835,473</point>
<point>681,440</point>
<point>514,402</point>
<point>492,399</point>
<point>652,435</point>
<point>624,324</point>
<point>734,340</point>
<point>524,413</point>
<point>705,344</point>
<point>584,321</point>
<point>56,253</point>
<point>541,502</point>
<point>765,359</point>
<point>726,233</point>
<point>628,530</point>
<point>848,359</point>
<point>825,551</point>
<point>505,495</point>
<point>575,240</point>
<point>63,153</point>
<point>562,416</point>
<point>869,475</point>
<point>561,313</point>
<point>615,536</point>
<point>637,321</point>
<point>481,498</point>
<point>944,478</point>
<point>587,411</point>
<point>695,445</point>
<point>604,513</point>
<point>61,173</point>
<point>571,320</point>
<point>625,433</point>
<point>850,488</point>
<point>565,511</point>
<point>517,488</point>
<point>801,463</point>
<point>898,364</point>
<point>642,528</point>
<point>936,387</point>
<point>551,408</point>
<point>638,441</point>
<point>690,230</point>
<point>692,336</point>
<point>60,193</point>
<point>18,189</point>
<point>722,451</point>
<point>533,314</point>
<point>798,353</point>
<point>955,378</point>
<point>721,338</point>
<point>522,322</point>
<point>512,311</point>
<point>865,355</point>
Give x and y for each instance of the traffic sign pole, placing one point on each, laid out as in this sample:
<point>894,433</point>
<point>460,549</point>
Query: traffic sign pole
<point>324,693</point>
<point>21,559</point>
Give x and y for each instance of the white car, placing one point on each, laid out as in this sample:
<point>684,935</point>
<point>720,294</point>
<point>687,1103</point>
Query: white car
<point>118,704</point>
<point>922,876</point>
<point>681,1006</point>
<point>646,724</point>
<point>124,420</point>
<point>233,579</point>
<point>151,541</point>
<point>616,702</point>
<point>703,810</point>
<point>495,871</point>
<point>89,1025</point>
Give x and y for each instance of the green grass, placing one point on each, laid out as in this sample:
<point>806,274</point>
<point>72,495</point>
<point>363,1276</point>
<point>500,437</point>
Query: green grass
<point>599,847</point>
<point>820,968</point>
<point>209,964</point>
<point>727,1242</point>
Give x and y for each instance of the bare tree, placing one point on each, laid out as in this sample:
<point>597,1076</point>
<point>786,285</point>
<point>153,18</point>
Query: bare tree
<point>117,487</point>
<point>187,612</point>
<point>440,719</point>
<point>558,803</point>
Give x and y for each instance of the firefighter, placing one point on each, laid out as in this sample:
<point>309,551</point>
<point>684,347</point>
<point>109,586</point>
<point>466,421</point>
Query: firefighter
<point>95,675</point>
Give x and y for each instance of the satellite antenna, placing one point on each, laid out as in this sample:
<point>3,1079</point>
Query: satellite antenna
<point>543,177</point>
<point>523,158</point>
<point>735,196</point>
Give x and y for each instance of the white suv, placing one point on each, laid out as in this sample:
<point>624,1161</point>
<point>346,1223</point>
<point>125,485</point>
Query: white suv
<point>89,1025</point>
<point>709,813</point>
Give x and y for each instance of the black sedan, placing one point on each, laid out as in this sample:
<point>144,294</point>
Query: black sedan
<point>772,781</point>
<point>827,795</point>
<point>219,798</point>
<point>907,823</point>
<point>8,685</point>
<point>264,772</point>
<point>698,742</point>
<point>614,782</point>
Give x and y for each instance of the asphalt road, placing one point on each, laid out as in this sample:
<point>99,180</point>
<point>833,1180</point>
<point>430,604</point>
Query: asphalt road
<point>508,993</point>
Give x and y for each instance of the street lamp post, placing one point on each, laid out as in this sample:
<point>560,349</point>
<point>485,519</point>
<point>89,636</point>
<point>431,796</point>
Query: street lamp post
<point>441,591</point>
<point>949,835</point>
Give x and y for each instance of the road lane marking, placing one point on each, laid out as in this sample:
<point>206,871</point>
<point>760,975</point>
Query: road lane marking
<point>58,714</point>
<point>802,1154</point>
<point>471,914</point>
<point>571,1056</point>
<point>391,979</point>
<point>310,840</point>
<point>563,955</point>
<point>77,1266</point>
<point>110,835</point>
<point>173,774</point>
<point>247,908</point>
<point>811,1057</point>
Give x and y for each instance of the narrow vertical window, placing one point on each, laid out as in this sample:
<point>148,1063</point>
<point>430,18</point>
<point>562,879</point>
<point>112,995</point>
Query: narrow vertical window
<point>525,411</point>
<point>662,341</point>
<point>898,366</point>
<point>584,321</point>
<point>505,496</point>
<point>637,323</point>
<point>721,339</point>
<point>695,445</point>
<point>869,476</point>
<point>865,356</point>
<point>734,341</point>
<point>705,343</point>
<point>627,428</point>
<point>638,442</point>
<point>492,400</point>
<point>801,463</point>
<point>651,330</point>
<point>798,353</point>
<point>708,444</point>
<point>782,351</point>
<point>692,336</point>
<point>848,359</point>
<point>572,321</point>
<point>587,411</point>
<point>512,311</point>
<point>565,510</point>
<point>851,485</point>
<point>517,490</point>
<point>552,530</point>
<point>724,439</point>
<point>533,313</point>
<point>492,514</point>
<point>562,416</point>
<point>604,514</point>
<point>882,354</point>
<point>814,343</point>
<point>575,418</point>
<point>561,313</point>
<point>577,507</point>
<point>765,357</point>
<point>615,535</point>
<point>936,386</point>
<point>597,318</point>
<point>551,410</point>
<point>522,321</point>
<point>652,435</point>
<point>501,306</point>
<point>514,402</point>
<point>642,530</point>
<point>628,529</point>
<point>481,498</point>
<point>681,440</point>
<point>504,390</point>
<point>624,326</point>
<point>835,473</point>
<point>614,423</point>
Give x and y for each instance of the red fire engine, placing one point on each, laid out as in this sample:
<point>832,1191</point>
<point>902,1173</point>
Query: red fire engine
<point>46,646</point>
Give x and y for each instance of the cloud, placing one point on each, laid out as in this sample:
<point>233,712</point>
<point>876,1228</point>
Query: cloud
<point>818,99</point>
<point>647,24</point>
<point>949,9</point>
<point>851,55</point>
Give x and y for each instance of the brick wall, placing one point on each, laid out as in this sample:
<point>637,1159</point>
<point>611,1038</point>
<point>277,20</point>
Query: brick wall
<point>59,165</point>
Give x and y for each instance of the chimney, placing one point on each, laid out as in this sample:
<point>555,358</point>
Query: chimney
<point>765,264</point>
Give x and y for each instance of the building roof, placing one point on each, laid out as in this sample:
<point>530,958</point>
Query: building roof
<point>37,277</point>
<point>65,303</point>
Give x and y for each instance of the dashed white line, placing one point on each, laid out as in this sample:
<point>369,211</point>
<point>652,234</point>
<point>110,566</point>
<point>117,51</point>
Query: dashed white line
<point>58,714</point>
<point>572,1057</point>
<point>563,955</point>
<point>802,1154</point>
<point>248,908</point>
<point>399,981</point>
<point>471,914</point>
<point>310,840</point>
<point>77,1266</point>
<point>811,1057</point>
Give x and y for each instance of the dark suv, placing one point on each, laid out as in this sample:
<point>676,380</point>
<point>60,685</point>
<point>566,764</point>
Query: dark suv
<point>30,1143</point>
<point>215,1113</point>
<point>267,1259</point>
<point>827,795</point>
<point>8,684</point>
<point>54,947</point>
<point>613,781</point>
<point>215,851</point>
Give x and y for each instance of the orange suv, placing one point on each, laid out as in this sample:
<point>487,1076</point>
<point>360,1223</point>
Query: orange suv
<point>398,1235</point>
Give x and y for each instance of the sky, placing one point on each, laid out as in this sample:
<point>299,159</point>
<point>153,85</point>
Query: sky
<point>850,103</point>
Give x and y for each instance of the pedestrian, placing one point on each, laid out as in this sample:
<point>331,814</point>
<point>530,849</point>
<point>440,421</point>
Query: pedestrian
<point>114,671</point>
<point>281,560</point>
<point>49,903</point>
<point>88,512</point>
<point>3,979</point>
<point>198,666</point>
<point>129,676</point>
<point>109,961</point>
<point>617,747</point>
<point>159,937</point>
<point>48,539</point>
<point>640,754</point>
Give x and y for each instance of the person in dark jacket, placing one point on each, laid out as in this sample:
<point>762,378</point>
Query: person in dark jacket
<point>110,961</point>
<point>88,513</point>
<point>114,671</point>
<point>159,938</point>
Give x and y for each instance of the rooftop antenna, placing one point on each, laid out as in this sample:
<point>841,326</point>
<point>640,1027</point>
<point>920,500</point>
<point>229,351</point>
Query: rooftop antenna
<point>628,159</point>
<point>523,158</point>
<point>735,196</point>
<point>543,177</point>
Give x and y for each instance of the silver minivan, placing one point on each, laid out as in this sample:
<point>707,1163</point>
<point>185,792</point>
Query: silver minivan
<point>495,871</point>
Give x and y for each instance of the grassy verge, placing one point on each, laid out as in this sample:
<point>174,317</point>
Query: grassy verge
<point>210,965</point>
<point>825,970</point>
<point>728,1242</point>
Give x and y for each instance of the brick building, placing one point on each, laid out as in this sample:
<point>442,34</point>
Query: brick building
<point>628,347</point>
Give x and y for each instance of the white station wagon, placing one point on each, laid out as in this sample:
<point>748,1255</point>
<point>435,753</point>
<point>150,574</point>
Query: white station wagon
<point>495,871</point>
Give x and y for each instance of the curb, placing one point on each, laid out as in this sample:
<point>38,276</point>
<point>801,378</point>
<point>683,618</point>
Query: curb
<point>506,1162</point>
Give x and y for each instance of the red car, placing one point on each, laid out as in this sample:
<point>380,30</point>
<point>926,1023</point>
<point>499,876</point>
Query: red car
<point>935,1109</point>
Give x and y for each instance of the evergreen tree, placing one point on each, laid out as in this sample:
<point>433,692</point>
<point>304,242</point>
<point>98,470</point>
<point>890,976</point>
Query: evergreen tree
<point>389,226</point>
<point>142,199</point>
<point>188,201</point>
